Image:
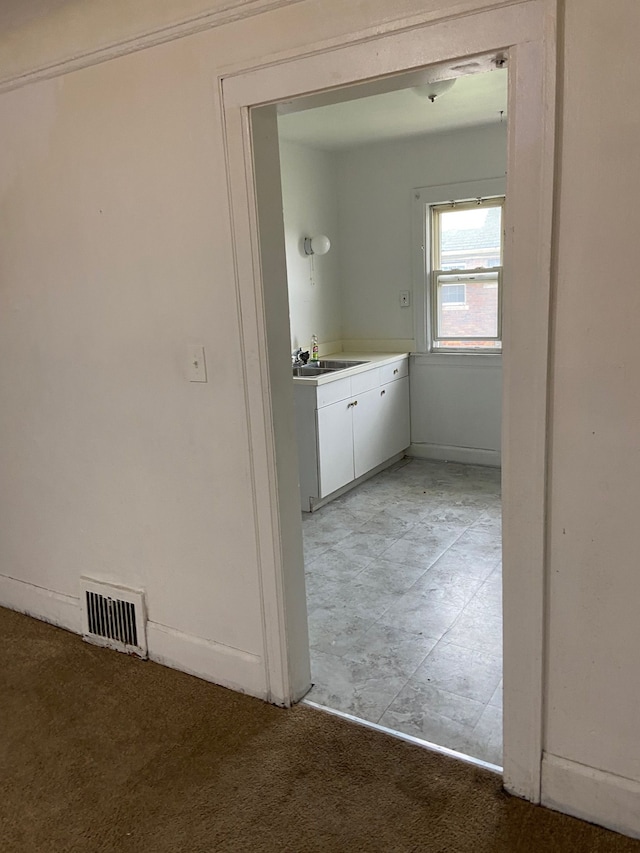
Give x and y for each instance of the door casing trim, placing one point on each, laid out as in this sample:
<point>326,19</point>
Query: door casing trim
<point>526,35</point>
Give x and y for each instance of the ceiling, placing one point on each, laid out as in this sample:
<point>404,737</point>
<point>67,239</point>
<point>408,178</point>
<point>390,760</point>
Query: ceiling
<point>475,99</point>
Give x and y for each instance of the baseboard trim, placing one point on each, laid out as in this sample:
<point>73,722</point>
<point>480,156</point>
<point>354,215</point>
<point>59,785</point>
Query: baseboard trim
<point>206,659</point>
<point>447,453</point>
<point>56,608</point>
<point>590,794</point>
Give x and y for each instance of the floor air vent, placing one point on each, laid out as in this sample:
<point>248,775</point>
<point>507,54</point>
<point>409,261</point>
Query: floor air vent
<point>114,617</point>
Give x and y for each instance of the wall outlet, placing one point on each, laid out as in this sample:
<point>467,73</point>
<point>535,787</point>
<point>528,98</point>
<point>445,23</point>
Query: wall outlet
<point>405,298</point>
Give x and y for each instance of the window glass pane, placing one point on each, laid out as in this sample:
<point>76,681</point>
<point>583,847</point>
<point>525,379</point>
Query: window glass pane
<point>467,307</point>
<point>453,294</point>
<point>470,237</point>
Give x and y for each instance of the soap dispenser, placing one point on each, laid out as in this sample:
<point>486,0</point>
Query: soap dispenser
<point>314,347</point>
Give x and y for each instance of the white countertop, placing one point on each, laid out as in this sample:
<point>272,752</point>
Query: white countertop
<point>372,359</point>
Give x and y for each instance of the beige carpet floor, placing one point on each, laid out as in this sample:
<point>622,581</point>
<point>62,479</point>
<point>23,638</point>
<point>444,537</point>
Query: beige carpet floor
<point>101,752</point>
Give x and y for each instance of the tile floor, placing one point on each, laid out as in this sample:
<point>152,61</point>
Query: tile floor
<point>404,599</point>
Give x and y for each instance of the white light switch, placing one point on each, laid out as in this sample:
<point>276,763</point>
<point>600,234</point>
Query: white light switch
<point>405,298</point>
<point>197,368</point>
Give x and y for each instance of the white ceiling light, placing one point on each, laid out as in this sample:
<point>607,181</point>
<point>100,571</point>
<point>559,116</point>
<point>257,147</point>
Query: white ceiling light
<point>434,90</point>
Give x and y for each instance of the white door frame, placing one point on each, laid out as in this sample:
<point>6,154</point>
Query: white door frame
<point>526,33</point>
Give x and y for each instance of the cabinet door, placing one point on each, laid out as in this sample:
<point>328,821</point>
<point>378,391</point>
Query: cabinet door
<point>335,446</point>
<point>394,415</point>
<point>380,425</point>
<point>367,424</point>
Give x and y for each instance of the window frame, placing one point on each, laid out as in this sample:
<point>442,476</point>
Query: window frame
<point>435,273</point>
<point>421,200</point>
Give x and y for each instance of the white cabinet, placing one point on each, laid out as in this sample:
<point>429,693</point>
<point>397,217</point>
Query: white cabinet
<point>366,432</point>
<point>349,426</point>
<point>380,425</point>
<point>335,446</point>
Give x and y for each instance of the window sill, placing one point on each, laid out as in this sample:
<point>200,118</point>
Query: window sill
<point>466,350</point>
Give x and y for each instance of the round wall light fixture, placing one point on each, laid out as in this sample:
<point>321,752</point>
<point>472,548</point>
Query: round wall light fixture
<point>318,245</point>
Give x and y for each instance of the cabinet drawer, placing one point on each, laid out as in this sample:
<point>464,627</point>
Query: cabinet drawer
<point>395,370</point>
<point>331,392</point>
<point>365,381</point>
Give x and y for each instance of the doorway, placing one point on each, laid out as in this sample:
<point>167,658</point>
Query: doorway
<point>404,621</point>
<point>527,37</point>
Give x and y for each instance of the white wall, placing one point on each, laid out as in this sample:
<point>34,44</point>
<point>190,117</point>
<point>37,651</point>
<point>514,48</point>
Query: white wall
<point>593,686</point>
<point>455,400</point>
<point>115,257</point>
<point>456,408</point>
<point>113,464</point>
<point>375,216</point>
<point>310,207</point>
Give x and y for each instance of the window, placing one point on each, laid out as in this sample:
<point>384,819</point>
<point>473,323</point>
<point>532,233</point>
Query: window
<point>454,294</point>
<point>466,275</point>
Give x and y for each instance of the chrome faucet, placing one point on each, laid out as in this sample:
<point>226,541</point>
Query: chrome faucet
<point>299,357</point>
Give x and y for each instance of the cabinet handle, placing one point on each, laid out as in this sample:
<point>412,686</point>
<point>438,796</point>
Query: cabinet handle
<point>395,371</point>
<point>382,393</point>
